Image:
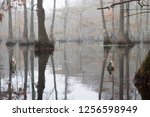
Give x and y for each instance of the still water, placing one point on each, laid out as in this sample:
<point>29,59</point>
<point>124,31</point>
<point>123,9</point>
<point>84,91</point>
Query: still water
<point>73,72</point>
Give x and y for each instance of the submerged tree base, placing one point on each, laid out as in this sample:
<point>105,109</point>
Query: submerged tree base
<point>144,42</point>
<point>107,42</point>
<point>130,44</point>
<point>10,43</point>
<point>26,44</point>
<point>43,48</point>
<point>142,79</point>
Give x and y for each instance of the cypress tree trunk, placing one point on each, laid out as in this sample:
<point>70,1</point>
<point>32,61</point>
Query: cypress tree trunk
<point>42,35</point>
<point>43,44</point>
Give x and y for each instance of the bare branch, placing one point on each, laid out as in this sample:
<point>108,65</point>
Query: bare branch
<point>136,14</point>
<point>118,3</point>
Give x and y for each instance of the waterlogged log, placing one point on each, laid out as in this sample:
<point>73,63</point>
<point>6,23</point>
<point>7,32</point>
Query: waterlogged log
<point>142,78</point>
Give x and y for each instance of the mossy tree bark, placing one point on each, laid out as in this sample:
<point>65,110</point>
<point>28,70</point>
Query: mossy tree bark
<point>142,79</point>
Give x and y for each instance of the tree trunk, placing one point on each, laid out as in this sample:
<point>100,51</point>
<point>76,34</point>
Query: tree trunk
<point>113,23</point>
<point>128,23</point>
<point>53,21</point>
<point>25,31</point>
<point>121,35</point>
<point>106,36</point>
<point>147,22</point>
<point>81,21</point>
<point>65,19</point>
<point>43,44</point>
<point>42,34</point>
<point>142,78</point>
<point>128,20</point>
<point>32,34</point>
<point>10,40</point>
<point>10,22</point>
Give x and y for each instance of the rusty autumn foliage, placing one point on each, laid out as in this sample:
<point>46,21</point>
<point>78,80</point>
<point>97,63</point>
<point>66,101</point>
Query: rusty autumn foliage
<point>7,7</point>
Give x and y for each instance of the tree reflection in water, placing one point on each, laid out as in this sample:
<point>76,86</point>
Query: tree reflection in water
<point>25,50</point>
<point>106,52</point>
<point>66,69</point>
<point>10,57</point>
<point>42,61</point>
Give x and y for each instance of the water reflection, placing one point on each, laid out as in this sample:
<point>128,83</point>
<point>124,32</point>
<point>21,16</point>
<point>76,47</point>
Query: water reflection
<point>31,49</point>
<point>42,61</point>
<point>11,71</point>
<point>106,52</point>
<point>25,50</point>
<point>72,71</point>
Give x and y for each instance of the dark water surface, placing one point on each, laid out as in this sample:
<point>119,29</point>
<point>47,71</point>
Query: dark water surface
<point>74,71</point>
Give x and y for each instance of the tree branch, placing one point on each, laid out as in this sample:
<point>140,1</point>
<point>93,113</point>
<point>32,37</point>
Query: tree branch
<point>118,3</point>
<point>136,14</point>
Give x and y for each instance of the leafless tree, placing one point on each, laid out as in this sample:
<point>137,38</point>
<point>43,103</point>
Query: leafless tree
<point>10,35</point>
<point>25,30</point>
<point>53,21</point>
<point>106,36</point>
<point>32,34</point>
